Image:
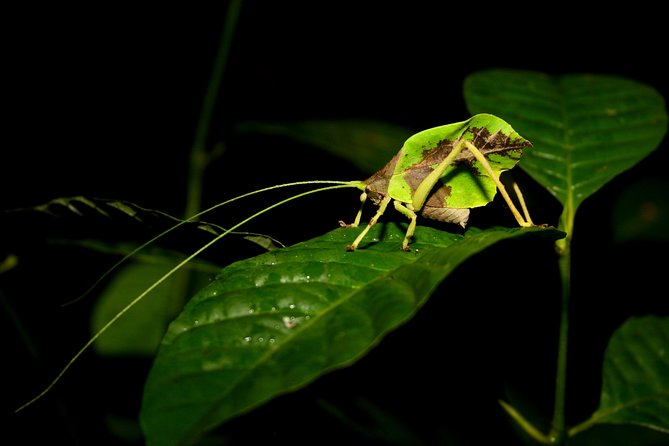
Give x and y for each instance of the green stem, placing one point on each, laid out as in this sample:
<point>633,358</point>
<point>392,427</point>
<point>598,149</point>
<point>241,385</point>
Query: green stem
<point>198,154</point>
<point>559,434</point>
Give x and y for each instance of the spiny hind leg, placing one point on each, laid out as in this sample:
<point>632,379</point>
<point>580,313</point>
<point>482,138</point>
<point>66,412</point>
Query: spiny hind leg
<point>509,181</point>
<point>372,222</point>
<point>502,190</point>
<point>411,215</point>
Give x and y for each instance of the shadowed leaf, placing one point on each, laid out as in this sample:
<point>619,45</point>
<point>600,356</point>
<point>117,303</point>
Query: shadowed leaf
<point>635,383</point>
<point>140,331</point>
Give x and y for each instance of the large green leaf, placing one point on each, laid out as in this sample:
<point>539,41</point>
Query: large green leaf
<point>635,381</point>
<point>367,144</point>
<point>586,129</point>
<point>273,323</point>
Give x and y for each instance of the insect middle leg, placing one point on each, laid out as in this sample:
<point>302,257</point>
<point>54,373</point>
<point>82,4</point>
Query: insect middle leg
<point>382,208</point>
<point>411,215</point>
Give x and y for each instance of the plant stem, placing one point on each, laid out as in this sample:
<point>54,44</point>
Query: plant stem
<point>198,154</point>
<point>558,434</point>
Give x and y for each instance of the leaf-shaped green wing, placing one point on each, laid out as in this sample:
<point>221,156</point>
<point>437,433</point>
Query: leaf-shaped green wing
<point>586,129</point>
<point>635,382</point>
<point>466,182</point>
<point>275,322</point>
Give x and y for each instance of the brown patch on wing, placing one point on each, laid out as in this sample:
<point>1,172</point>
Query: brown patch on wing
<point>439,196</point>
<point>498,142</point>
<point>485,141</point>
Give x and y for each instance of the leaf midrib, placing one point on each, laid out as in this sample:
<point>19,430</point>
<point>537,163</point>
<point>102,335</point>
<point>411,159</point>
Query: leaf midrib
<point>569,199</point>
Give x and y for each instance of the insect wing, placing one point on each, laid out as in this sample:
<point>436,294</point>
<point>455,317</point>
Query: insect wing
<point>465,184</point>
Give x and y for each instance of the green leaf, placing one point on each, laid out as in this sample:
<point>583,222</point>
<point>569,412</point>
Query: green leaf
<point>273,323</point>
<point>367,144</point>
<point>586,129</point>
<point>140,331</point>
<point>635,381</point>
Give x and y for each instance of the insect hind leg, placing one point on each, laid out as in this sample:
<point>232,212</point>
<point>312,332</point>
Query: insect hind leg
<point>510,182</point>
<point>502,190</point>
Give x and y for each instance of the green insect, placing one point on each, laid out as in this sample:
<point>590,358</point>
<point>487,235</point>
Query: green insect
<point>444,171</point>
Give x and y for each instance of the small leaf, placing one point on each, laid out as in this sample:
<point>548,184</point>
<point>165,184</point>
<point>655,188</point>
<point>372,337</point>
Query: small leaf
<point>273,323</point>
<point>635,383</point>
<point>140,331</point>
<point>368,145</point>
<point>586,129</point>
<point>267,243</point>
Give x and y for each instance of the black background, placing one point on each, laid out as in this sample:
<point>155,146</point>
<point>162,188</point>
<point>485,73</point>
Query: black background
<point>103,102</point>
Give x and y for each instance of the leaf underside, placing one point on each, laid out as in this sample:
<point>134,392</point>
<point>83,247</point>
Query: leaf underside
<point>273,323</point>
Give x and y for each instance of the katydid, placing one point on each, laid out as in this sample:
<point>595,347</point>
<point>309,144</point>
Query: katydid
<point>440,173</point>
<point>443,171</point>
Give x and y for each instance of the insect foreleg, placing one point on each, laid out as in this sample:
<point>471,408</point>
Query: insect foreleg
<point>382,208</point>
<point>356,222</point>
<point>411,215</point>
<point>484,162</point>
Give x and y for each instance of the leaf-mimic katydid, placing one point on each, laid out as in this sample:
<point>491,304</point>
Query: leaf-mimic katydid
<point>443,171</point>
<point>440,173</point>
